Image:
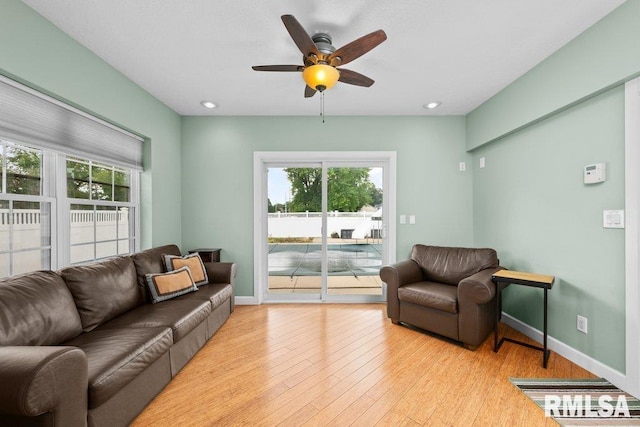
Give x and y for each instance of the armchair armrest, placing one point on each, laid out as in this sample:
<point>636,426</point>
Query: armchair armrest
<point>395,276</point>
<point>41,379</point>
<point>478,288</point>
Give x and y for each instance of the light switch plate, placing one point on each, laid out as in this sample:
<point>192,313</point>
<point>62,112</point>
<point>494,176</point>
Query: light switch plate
<point>403,219</point>
<point>613,219</point>
<point>412,219</point>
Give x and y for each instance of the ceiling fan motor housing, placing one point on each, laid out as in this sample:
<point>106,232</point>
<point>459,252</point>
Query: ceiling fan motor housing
<point>323,43</point>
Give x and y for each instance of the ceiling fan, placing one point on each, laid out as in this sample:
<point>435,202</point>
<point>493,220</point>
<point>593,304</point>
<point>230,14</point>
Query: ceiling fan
<point>321,60</point>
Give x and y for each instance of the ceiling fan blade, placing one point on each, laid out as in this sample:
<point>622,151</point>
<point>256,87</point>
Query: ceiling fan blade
<point>358,47</point>
<point>278,67</point>
<point>300,36</point>
<point>353,78</point>
<point>308,91</point>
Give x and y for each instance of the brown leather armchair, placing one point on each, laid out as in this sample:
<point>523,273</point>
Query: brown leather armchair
<point>444,290</point>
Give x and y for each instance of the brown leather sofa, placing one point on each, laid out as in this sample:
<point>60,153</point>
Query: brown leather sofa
<point>84,346</point>
<point>444,290</point>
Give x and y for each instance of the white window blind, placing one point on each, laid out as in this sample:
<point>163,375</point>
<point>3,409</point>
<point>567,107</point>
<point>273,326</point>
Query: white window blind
<point>31,117</point>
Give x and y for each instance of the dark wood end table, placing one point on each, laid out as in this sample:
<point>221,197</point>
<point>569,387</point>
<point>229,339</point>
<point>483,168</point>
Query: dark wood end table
<point>208,254</point>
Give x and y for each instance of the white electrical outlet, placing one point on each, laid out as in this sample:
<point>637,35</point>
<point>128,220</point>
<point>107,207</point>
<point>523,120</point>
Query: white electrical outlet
<point>482,162</point>
<point>403,219</point>
<point>582,324</point>
<point>462,166</point>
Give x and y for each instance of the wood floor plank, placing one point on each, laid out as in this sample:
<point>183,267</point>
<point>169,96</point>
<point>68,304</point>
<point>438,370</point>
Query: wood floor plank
<point>309,389</point>
<point>362,381</point>
<point>328,364</point>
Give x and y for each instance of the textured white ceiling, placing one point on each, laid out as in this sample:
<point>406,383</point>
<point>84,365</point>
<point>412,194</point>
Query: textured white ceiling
<point>459,52</point>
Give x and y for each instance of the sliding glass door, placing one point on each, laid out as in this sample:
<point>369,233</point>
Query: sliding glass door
<point>294,230</point>
<point>325,234</point>
<point>355,230</point>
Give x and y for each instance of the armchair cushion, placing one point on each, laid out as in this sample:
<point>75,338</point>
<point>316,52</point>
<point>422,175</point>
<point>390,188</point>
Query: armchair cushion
<point>451,265</point>
<point>429,294</point>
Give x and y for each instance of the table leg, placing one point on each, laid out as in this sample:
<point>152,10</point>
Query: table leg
<point>545,354</point>
<point>495,328</point>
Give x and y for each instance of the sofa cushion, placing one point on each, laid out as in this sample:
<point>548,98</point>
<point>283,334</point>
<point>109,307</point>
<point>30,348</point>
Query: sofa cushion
<point>216,293</point>
<point>164,286</point>
<point>451,265</point>
<point>37,309</point>
<point>182,316</point>
<point>103,290</point>
<point>150,262</point>
<point>117,356</point>
<point>429,294</point>
<point>192,261</point>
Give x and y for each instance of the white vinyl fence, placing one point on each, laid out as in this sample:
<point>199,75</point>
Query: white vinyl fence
<point>356,225</point>
<point>29,234</point>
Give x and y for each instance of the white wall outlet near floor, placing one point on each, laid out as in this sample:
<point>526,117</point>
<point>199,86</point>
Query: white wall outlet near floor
<point>462,166</point>
<point>403,219</point>
<point>582,324</point>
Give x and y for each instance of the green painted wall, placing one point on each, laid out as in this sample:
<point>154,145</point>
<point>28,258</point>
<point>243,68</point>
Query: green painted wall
<point>36,53</point>
<point>531,205</point>
<point>217,176</point>
<point>530,202</point>
<point>603,56</point>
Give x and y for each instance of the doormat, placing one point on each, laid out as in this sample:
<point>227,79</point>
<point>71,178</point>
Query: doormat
<point>581,402</point>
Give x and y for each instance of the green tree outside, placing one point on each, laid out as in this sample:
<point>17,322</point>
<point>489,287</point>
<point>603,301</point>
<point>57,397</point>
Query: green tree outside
<point>23,171</point>
<point>349,189</point>
<point>84,179</point>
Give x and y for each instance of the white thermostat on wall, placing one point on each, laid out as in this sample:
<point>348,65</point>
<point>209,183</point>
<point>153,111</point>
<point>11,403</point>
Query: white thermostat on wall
<point>595,173</point>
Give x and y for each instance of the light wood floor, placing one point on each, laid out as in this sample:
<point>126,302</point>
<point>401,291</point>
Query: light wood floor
<point>318,365</point>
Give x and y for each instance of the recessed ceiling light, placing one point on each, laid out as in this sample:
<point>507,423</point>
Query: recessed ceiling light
<point>208,104</point>
<point>432,105</point>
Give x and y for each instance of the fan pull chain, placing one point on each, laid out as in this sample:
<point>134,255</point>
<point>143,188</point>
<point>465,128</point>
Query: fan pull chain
<point>322,105</point>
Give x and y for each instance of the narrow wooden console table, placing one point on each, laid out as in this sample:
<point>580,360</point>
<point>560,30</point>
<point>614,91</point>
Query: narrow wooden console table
<point>503,278</point>
<point>208,254</point>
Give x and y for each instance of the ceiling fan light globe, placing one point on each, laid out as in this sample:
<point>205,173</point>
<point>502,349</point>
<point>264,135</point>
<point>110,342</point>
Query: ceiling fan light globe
<point>320,76</point>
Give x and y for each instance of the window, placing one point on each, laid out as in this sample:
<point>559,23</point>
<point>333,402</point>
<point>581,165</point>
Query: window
<point>99,202</point>
<point>101,215</point>
<point>25,211</point>
<point>68,183</point>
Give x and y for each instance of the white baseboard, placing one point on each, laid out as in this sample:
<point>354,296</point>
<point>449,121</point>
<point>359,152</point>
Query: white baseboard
<point>587,362</point>
<point>246,301</point>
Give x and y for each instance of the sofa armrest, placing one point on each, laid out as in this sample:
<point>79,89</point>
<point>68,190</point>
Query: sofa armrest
<point>221,272</point>
<point>395,276</point>
<point>43,379</point>
<point>478,288</point>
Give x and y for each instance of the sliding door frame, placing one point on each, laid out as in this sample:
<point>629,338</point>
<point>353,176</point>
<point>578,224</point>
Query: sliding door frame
<point>262,160</point>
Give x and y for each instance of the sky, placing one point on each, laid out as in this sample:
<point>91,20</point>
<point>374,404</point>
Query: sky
<point>279,189</point>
